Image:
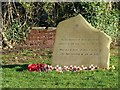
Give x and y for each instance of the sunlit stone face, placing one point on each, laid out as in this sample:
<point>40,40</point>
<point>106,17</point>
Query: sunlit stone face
<point>78,43</point>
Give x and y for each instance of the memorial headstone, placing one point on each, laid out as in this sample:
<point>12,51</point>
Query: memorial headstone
<point>79,43</point>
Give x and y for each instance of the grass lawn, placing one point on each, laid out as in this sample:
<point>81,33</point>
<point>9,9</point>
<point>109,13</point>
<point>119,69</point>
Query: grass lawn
<point>15,74</point>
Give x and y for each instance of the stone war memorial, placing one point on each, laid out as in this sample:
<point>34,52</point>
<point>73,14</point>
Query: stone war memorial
<point>79,43</point>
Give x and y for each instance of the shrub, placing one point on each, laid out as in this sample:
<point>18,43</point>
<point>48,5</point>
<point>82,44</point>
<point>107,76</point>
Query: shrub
<point>16,32</point>
<point>102,15</point>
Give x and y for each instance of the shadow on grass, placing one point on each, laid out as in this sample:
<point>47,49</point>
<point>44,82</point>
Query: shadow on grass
<point>16,66</point>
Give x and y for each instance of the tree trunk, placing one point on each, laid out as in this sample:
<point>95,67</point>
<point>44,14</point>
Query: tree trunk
<point>1,20</point>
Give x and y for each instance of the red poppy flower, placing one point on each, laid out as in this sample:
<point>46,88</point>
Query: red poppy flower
<point>32,67</point>
<point>37,67</point>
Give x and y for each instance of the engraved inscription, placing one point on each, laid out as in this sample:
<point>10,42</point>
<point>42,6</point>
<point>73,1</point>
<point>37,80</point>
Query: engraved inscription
<point>75,42</point>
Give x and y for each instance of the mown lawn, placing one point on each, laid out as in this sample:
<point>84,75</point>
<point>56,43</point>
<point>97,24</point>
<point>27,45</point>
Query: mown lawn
<point>17,76</point>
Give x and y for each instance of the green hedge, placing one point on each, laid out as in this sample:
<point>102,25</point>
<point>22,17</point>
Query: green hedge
<point>102,15</point>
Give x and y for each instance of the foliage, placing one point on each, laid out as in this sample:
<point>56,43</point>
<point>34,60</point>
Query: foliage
<point>14,27</point>
<point>102,15</point>
<point>16,32</point>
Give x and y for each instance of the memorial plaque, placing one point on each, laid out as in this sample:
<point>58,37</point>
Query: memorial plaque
<point>78,43</point>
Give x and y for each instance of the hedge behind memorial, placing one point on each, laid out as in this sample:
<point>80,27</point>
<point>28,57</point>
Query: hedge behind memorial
<point>19,16</point>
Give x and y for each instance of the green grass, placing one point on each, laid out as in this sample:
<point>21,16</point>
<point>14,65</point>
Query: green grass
<point>17,76</point>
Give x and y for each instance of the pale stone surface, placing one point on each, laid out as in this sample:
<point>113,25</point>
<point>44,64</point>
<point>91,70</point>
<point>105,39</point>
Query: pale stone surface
<point>78,43</point>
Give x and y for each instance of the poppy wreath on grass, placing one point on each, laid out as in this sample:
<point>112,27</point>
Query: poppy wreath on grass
<point>45,68</point>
